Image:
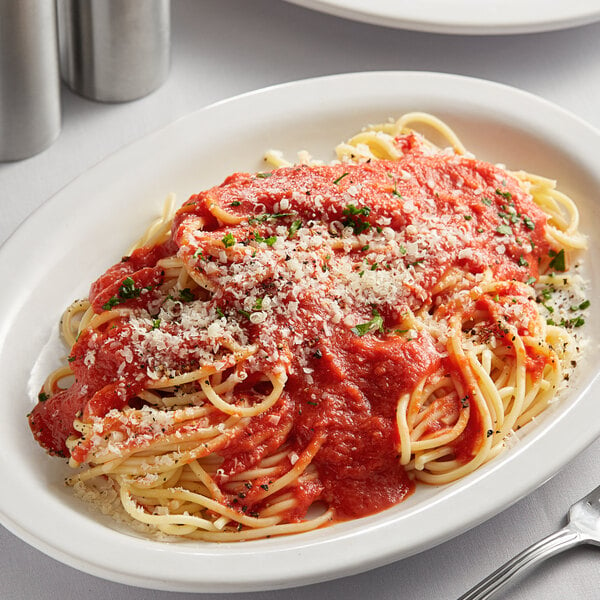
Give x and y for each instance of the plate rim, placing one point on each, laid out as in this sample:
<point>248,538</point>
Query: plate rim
<point>427,17</point>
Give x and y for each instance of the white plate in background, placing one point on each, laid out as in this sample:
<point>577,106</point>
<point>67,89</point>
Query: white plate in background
<point>76,235</point>
<point>473,17</point>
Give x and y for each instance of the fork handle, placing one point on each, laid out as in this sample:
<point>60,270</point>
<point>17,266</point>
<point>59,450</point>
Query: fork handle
<point>545,548</point>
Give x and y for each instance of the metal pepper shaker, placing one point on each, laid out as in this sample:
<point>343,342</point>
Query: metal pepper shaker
<point>30,117</point>
<point>114,50</point>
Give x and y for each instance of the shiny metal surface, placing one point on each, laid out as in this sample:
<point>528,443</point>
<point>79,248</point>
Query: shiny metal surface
<point>114,50</point>
<point>29,78</point>
<point>583,528</point>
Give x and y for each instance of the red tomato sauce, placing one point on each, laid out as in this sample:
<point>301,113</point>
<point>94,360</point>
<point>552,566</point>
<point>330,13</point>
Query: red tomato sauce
<point>346,387</point>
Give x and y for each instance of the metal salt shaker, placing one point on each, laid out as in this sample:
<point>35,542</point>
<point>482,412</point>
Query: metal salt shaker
<point>114,50</point>
<point>30,117</point>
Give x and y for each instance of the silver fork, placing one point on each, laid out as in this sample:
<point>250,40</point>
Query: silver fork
<point>583,527</point>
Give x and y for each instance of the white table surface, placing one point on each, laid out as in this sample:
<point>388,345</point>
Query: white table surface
<point>222,48</point>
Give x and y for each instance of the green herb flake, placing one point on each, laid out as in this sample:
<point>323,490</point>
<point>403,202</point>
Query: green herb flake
<point>268,241</point>
<point>294,228</point>
<point>375,324</point>
<point>267,216</point>
<point>528,222</point>
<point>486,200</point>
<point>354,220</point>
<point>558,261</point>
<point>504,230</point>
<point>42,396</point>
<point>336,181</point>
<point>185,295</point>
<point>585,304</point>
<point>228,240</point>
<point>128,289</point>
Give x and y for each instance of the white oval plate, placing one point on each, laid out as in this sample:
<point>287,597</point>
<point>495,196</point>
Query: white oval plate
<point>475,17</point>
<point>86,227</point>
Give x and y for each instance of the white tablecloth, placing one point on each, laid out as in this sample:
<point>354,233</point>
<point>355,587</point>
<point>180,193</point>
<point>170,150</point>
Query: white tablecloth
<point>224,47</point>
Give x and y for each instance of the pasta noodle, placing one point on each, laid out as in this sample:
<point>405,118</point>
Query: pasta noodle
<point>305,345</point>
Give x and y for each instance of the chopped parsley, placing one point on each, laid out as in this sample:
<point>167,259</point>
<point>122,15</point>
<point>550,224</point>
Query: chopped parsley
<point>395,191</point>
<point>267,216</point>
<point>569,323</point>
<point>336,181</point>
<point>185,295</point>
<point>585,304</point>
<point>558,260</point>
<point>127,291</point>
<point>42,396</point>
<point>375,324</point>
<point>354,214</point>
<point>268,241</point>
<point>294,228</point>
<point>228,240</point>
<point>528,222</point>
<point>504,229</point>
<point>506,195</point>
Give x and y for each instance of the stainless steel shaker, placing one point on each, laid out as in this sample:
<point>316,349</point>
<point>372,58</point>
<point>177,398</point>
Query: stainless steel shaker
<point>114,50</point>
<point>30,117</point>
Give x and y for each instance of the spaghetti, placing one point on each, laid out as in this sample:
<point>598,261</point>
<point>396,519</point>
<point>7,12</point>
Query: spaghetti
<point>304,345</point>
